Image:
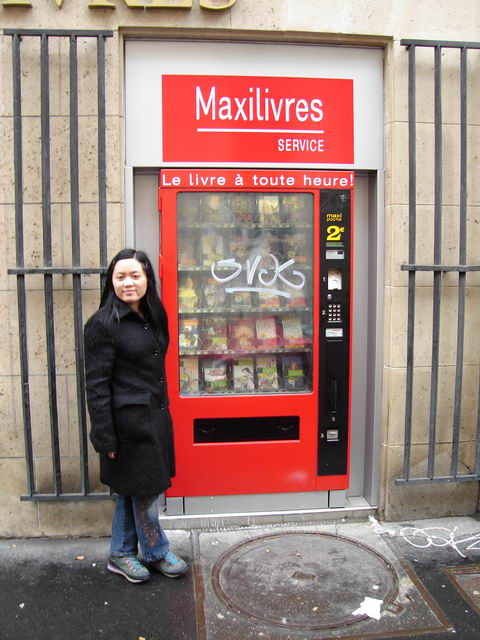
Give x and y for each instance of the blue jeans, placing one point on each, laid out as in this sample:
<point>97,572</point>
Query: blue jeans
<point>136,523</point>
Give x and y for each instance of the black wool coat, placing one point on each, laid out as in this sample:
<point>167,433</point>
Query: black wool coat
<point>128,403</point>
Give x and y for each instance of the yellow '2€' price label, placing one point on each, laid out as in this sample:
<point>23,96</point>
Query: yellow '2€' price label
<point>334,233</point>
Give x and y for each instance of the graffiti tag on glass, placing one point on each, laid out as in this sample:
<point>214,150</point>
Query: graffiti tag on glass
<point>257,268</point>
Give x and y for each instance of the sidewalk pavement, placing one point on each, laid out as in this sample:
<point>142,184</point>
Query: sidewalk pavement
<point>308,581</point>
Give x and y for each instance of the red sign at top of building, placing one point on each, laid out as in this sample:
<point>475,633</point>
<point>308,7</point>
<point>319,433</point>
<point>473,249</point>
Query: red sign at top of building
<point>257,119</point>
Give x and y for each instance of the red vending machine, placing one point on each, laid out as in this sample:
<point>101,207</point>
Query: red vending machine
<point>256,277</point>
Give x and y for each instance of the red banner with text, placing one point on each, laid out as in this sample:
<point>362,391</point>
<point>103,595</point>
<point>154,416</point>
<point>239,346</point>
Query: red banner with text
<point>257,119</point>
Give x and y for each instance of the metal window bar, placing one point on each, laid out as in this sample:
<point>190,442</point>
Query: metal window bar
<point>47,270</point>
<point>438,269</point>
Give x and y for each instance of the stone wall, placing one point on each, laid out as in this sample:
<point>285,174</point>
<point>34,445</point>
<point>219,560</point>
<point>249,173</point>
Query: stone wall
<point>27,518</point>
<point>361,22</point>
<point>457,498</point>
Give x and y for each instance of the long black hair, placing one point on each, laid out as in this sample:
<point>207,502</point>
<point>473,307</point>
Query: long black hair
<point>150,305</point>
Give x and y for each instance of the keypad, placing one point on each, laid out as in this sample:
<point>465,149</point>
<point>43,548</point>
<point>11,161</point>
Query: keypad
<point>334,312</point>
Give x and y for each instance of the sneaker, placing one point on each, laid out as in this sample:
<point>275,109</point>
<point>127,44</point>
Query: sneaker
<point>171,566</point>
<point>129,567</point>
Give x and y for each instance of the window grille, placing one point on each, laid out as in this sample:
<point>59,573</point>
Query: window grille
<point>462,65</point>
<point>46,269</point>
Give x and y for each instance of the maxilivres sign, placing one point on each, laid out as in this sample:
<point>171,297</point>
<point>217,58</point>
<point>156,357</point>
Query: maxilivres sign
<point>257,119</point>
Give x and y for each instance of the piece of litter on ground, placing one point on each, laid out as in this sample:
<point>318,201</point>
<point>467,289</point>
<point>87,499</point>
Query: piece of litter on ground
<point>369,607</point>
<point>375,587</point>
<point>105,603</point>
<point>94,564</point>
<point>21,605</point>
<point>379,528</point>
<point>79,557</point>
<point>220,615</point>
<point>315,609</point>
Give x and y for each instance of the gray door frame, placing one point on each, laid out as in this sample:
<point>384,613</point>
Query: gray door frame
<point>142,231</point>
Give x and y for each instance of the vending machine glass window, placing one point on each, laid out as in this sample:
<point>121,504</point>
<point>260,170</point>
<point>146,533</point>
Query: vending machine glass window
<point>245,302</point>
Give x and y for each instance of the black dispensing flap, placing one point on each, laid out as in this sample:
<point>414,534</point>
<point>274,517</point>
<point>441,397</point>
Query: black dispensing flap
<point>246,429</point>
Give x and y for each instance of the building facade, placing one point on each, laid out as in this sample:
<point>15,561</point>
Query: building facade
<point>86,127</point>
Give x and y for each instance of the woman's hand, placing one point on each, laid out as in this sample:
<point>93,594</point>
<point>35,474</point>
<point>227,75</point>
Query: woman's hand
<point>112,455</point>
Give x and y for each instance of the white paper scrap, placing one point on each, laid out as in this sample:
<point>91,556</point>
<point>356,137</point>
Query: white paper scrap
<point>380,528</point>
<point>369,607</point>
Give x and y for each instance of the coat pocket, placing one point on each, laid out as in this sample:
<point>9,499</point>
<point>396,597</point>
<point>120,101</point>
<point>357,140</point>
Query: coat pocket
<point>132,414</point>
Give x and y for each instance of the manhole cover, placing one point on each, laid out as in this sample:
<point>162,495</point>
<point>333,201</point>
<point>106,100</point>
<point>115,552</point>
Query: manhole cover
<point>303,580</point>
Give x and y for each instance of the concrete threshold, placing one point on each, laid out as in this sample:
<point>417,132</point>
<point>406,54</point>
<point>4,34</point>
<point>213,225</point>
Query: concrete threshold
<point>355,510</point>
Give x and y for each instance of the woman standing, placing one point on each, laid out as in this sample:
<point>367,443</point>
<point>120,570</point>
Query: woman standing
<point>125,345</point>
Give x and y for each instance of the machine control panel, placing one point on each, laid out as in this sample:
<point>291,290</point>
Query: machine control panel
<point>334,366</point>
